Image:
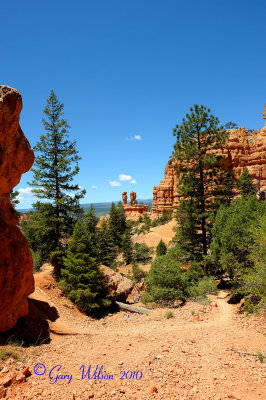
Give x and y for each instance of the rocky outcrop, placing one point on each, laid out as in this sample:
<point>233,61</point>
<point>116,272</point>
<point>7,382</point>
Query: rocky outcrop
<point>242,149</point>
<point>16,267</point>
<point>135,211</point>
<point>117,285</point>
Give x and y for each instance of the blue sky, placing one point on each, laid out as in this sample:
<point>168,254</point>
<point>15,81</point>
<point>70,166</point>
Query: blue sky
<point>127,71</point>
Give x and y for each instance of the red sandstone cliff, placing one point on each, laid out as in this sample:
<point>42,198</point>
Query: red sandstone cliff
<point>242,149</point>
<point>16,267</point>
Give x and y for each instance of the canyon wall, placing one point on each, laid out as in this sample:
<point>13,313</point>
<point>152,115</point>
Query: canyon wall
<point>16,267</point>
<point>242,149</point>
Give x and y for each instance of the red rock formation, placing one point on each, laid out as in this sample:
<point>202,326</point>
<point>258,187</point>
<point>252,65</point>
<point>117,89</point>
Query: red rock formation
<point>242,149</point>
<point>135,211</point>
<point>133,197</point>
<point>124,197</point>
<point>16,267</point>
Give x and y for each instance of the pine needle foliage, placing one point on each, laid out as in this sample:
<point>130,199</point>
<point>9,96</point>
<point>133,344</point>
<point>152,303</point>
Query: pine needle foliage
<point>82,279</point>
<point>245,184</point>
<point>56,165</point>
<point>203,182</point>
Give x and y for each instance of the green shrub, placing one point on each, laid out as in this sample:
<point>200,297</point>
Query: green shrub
<point>142,253</point>
<point>250,307</point>
<point>253,281</point>
<point>166,280</point>
<point>169,314</point>
<point>232,242</point>
<point>6,353</point>
<point>260,356</point>
<point>146,298</point>
<point>165,217</point>
<point>38,260</point>
<point>161,249</point>
<point>137,272</point>
<point>202,288</point>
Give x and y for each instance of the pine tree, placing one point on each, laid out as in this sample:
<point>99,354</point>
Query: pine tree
<point>40,233</point>
<point>202,178</point>
<point>90,224</point>
<point>13,197</point>
<point>106,245</point>
<point>91,220</point>
<point>81,279</point>
<point>117,224</point>
<point>56,165</point>
<point>245,184</point>
<point>161,249</point>
<point>127,246</point>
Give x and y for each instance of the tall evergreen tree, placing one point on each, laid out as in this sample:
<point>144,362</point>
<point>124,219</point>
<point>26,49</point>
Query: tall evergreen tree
<point>91,220</point>
<point>127,246</point>
<point>106,245</point>
<point>245,184</point>
<point>201,180</point>
<point>56,165</point>
<point>90,223</point>
<point>81,277</point>
<point>117,224</point>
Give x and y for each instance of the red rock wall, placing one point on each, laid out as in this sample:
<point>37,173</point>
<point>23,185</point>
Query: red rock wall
<point>16,267</point>
<point>242,149</point>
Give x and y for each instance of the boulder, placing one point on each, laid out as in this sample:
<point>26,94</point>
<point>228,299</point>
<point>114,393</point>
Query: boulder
<point>118,286</point>
<point>16,266</point>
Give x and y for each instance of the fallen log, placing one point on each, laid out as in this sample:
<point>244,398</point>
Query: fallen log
<point>128,307</point>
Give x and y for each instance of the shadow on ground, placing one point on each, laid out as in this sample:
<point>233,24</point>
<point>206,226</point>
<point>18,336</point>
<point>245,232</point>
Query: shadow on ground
<point>34,328</point>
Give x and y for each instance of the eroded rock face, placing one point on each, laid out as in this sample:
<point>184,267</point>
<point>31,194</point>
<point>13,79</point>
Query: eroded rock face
<point>135,211</point>
<point>242,149</point>
<point>16,267</point>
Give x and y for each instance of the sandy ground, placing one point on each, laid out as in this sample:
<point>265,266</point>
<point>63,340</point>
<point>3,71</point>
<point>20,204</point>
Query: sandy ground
<point>164,232</point>
<point>189,356</point>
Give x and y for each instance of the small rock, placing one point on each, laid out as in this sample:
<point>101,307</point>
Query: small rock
<point>153,389</point>
<point>21,378</point>
<point>26,372</point>
<point>7,380</point>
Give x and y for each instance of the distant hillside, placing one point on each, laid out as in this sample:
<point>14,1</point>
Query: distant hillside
<point>100,208</point>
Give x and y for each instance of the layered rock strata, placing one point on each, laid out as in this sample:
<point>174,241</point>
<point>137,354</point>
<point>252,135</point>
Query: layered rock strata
<point>16,267</point>
<point>242,149</point>
<point>135,210</point>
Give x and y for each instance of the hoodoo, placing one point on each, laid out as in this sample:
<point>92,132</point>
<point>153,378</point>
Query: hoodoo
<point>16,267</point>
<point>133,210</point>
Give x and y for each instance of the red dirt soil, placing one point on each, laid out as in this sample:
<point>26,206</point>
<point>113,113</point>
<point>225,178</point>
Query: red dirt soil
<point>186,357</point>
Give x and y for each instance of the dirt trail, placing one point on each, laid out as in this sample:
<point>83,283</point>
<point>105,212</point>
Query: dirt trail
<point>184,357</point>
<point>152,238</point>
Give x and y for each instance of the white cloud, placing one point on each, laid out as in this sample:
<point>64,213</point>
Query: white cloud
<point>137,137</point>
<point>20,198</point>
<point>27,191</point>
<point>123,177</point>
<point>94,187</point>
<point>132,181</point>
<point>114,183</point>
